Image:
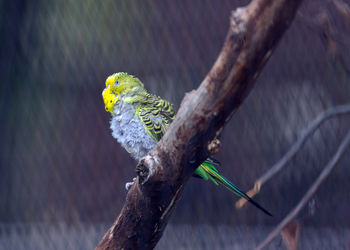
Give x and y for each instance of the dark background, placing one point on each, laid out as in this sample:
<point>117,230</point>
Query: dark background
<point>60,166</point>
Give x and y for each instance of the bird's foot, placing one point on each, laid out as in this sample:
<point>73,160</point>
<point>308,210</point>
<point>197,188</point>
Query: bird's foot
<point>129,184</point>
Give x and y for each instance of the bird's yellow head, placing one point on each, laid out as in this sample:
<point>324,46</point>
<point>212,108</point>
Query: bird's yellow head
<point>117,85</point>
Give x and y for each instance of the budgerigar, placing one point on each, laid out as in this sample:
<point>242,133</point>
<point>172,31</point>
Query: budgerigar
<point>140,119</point>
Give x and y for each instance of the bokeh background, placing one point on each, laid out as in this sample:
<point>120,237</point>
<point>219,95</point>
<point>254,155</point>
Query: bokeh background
<point>62,175</point>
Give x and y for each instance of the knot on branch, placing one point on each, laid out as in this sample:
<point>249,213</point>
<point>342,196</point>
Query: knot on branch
<point>238,20</point>
<point>146,169</point>
<point>214,146</point>
<point>188,97</point>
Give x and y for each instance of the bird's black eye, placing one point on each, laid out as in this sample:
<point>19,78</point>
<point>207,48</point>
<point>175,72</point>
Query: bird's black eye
<point>116,83</point>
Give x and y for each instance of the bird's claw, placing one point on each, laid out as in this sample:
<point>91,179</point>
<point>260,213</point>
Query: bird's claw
<point>129,184</point>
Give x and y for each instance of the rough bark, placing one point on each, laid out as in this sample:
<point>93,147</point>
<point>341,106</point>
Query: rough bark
<point>252,36</point>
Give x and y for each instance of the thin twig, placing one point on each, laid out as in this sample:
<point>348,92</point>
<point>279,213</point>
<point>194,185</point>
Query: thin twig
<point>305,134</point>
<point>325,172</point>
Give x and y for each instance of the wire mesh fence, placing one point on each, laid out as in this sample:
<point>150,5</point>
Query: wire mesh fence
<point>62,174</point>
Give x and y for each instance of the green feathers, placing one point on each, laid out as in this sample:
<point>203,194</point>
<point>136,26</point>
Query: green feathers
<point>204,171</point>
<point>207,171</point>
<point>156,115</point>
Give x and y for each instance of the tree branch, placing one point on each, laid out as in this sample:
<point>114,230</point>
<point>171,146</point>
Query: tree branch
<point>305,134</point>
<point>325,172</point>
<point>253,34</point>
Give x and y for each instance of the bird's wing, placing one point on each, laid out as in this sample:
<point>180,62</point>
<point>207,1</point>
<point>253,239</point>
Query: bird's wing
<point>156,114</point>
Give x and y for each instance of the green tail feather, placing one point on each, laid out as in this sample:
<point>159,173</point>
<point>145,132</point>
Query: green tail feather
<point>208,172</point>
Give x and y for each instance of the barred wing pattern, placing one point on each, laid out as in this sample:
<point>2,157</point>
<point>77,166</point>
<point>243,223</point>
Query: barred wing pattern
<point>156,114</point>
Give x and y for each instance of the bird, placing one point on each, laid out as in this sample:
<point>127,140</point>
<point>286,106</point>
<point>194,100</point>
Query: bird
<point>140,119</point>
